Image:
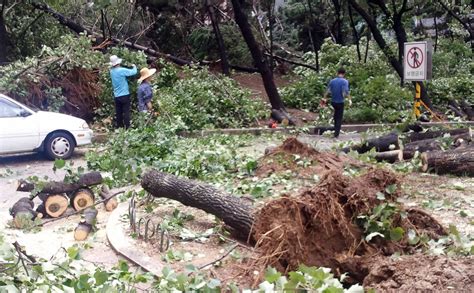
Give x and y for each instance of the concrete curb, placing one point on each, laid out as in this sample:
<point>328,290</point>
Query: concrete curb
<point>124,244</point>
<point>102,137</point>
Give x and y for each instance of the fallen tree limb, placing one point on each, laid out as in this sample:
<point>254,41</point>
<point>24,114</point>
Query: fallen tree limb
<point>381,144</point>
<point>434,144</point>
<point>467,109</point>
<point>23,208</point>
<point>110,201</point>
<point>85,226</point>
<point>56,187</point>
<point>457,162</point>
<point>389,156</point>
<point>416,136</point>
<point>235,213</point>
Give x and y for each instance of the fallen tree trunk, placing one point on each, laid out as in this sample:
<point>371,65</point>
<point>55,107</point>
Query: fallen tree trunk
<point>433,144</point>
<point>436,133</point>
<point>55,187</point>
<point>282,117</point>
<point>235,213</point>
<point>84,228</point>
<point>381,144</point>
<point>454,106</point>
<point>457,162</point>
<point>320,130</point>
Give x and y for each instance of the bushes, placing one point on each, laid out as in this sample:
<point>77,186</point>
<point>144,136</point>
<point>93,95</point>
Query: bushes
<point>203,100</point>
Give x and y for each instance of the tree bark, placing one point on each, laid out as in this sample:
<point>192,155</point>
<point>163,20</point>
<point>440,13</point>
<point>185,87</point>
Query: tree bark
<point>467,109</point>
<point>5,41</point>
<point>23,208</point>
<point>233,211</point>
<point>457,162</point>
<point>434,144</point>
<point>381,144</point>
<point>110,202</point>
<point>338,23</point>
<point>354,32</point>
<point>84,228</point>
<point>389,156</point>
<point>310,32</point>
<point>435,133</point>
<point>220,40</point>
<point>258,58</point>
<point>56,187</point>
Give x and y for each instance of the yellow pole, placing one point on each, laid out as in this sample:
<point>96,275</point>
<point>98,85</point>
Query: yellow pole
<point>416,108</point>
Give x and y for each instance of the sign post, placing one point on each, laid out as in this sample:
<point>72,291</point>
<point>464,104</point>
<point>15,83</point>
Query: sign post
<point>417,67</point>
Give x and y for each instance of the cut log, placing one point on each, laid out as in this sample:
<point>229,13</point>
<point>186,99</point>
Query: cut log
<point>383,143</point>
<point>467,108</point>
<point>55,187</point>
<point>389,156</point>
<point>235,213</point>
<point>56,205</point>
<point>84,228</point>
<point>457,162</point>
<point>82,199</point>
<point>436,133</point>
<point>454,106</point>
<point>23,209</point>
<point>434,144</point>
<point>110,202</point>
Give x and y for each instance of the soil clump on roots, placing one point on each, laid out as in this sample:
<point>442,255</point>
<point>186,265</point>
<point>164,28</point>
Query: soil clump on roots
<point>302,159</point>
<point>317,227</point>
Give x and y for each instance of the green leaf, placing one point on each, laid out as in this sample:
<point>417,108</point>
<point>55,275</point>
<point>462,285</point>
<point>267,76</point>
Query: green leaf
<point>123,266</point>
<point>101,277</point>
<point>59,164</point>
<point>396,234</point>
<point>272,275</point>
<point>413,238</point>
<point>380,196</point>
<point>391,188</point>
<point>73,252</point>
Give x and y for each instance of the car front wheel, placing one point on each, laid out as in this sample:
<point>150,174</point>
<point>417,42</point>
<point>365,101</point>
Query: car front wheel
<point>59,145</point>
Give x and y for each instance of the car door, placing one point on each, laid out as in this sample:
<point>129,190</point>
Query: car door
<point>19,128</point>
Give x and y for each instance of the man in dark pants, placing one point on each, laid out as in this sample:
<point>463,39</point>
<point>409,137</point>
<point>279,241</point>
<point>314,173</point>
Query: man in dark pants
<point>339,89</point>
<point>119,75</point>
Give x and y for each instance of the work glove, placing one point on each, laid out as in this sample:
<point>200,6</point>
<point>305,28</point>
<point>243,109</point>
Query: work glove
<point>350,102</point>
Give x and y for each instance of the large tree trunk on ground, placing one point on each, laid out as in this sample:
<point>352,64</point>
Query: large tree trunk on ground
<point>457,162</point>
<point>436,133</point>
<point>233,211</point>
<point>56,187</point>
<point>433,144</point>
<point>258,58</point>
<point>381,144</point>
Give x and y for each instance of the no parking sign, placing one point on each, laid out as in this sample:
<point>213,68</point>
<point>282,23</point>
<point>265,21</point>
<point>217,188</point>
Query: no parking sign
<point>417,64</point>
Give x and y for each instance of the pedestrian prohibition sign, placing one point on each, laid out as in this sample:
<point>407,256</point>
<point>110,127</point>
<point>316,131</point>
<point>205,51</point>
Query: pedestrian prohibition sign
<point>417,61</point>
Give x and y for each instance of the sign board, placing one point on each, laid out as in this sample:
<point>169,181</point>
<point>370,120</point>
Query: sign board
<point>417,64</point>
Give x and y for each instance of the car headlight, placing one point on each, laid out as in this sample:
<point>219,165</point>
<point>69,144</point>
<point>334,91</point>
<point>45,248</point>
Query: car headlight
<point>85,125</point>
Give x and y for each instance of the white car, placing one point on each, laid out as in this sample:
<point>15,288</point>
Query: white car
<point>25,130</point>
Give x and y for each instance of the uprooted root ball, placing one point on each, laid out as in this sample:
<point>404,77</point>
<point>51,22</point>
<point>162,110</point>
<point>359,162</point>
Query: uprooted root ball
<point>317,227</point>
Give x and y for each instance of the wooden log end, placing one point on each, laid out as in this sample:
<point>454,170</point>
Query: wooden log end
<point>424,162</point>
<point>111,204</point>
<point>82,231</point>
<point>82,199</point>
<point>56,205</point>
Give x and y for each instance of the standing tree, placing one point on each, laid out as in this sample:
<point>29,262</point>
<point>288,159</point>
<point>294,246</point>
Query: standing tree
<point>220,41</point>
<point>4,37</point>
<point>260,61</point>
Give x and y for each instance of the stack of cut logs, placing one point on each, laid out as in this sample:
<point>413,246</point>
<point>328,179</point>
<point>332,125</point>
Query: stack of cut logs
<point>449,151</point>
<point>56,196</point>
<point>462,109</point>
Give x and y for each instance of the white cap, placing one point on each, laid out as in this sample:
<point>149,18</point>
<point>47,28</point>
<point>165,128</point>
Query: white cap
<point>114,60</point>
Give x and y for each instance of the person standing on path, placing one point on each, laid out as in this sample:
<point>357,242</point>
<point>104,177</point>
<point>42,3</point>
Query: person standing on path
<point>119,75</point>
<point>339,90</point>
<point>145,92</point>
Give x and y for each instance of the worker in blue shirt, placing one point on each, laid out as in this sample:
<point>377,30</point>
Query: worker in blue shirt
<point>119,75</point>
<point>339,90</point>
<point>145,92</point>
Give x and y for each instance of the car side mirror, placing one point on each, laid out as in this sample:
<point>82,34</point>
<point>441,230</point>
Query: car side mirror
<point>24,113</point>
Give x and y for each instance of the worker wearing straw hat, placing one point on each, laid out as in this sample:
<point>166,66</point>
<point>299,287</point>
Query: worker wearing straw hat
<point>145,92</point>
<point>119,75</point>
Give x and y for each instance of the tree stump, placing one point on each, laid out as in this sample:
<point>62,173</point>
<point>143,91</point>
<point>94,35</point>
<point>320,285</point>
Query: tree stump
<point>56,205</point>
<point>82,199</point>
<point>457,162</point>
